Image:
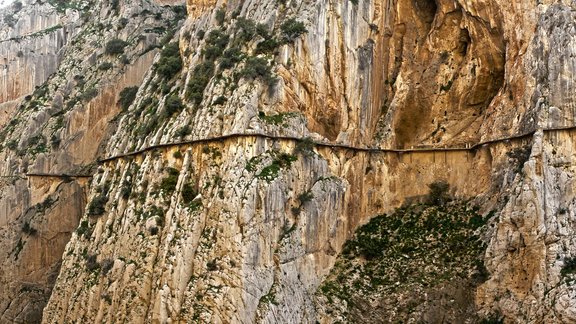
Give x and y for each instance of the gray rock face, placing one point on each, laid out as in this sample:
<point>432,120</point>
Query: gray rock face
<point>61,89</point>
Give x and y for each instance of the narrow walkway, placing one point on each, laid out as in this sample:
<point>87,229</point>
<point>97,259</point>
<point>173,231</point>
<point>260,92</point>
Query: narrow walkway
<point>470,147</point>
<point>57,175</point>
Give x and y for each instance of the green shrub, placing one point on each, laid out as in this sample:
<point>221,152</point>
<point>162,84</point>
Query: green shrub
<point>115,46</point>
<point>495,318</point>
<point>188,193</point>
<point>170,61</point>
<point>105,66</point>
<point>230,58</point>
<point>126,189</point>
<point>106,265</point>
<point>200,34</point>
<point>89,94</point>
<point>114,4</point>
<point>215,44</point>
<point>97,206</point>
<point>281,161</point>
<point>28,229</point>
<point>173,105</point>
<point>305,197</point>
<point>246,29</point>
<point>83,229</point>
<point>183,131</point>
<point>211,265</point>
<point>220,16</point>
<point>17,6</point>
<point>305,146</point>
<point>292,29</point>
<point>91,263</point>
<point>127,96</point>
<point>262,30</point>
<point>124,59</point>
<point>168,183</point>
<point>267,46</point>
<point>257,68</point>
<point>123,22</point>
<point>12,145</point>
<point>10,20</point>
<point>220,100</point>
<point>201,75</point>
<point>569,266</point>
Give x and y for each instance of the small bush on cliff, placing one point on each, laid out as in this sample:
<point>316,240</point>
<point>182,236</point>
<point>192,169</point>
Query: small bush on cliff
<point>173,105</point>
<point>201,75</point>
<point>246,29</point>
<point>267,46</point>
<point>188,193</point>
<point>305,146</point>
<point>216,42</point>
<point>115,46</point>
<point>97,206</point>
<point>170,61</point>
<point>127,96</point>
<point>28,229</point>
<point>89,94</point>
<point>305,197</point>
<point>231,57</point>
<point>168,184</point>
<point>292,29</point>
<point>91,263</point>
<point>105,66</point>
<point>220,16</point>
<point>257,68</point>
<point>569,266</point>
<point>106,265</point>
<point>84,229</point>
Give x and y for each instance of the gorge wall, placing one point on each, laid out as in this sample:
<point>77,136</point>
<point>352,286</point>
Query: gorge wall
<point>246,228</point>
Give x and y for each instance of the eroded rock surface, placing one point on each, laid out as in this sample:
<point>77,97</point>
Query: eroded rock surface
<point>246,228</point>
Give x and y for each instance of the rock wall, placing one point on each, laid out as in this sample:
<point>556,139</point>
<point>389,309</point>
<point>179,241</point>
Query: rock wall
<point>244,229</point>
<point>61,89</point>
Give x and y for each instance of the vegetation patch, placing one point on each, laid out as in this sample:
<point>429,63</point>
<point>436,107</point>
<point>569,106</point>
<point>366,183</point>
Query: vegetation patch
<point>115,46</point>
<point>84,229</point>
<point>170,61</point>
<point>127,96</point>
<point>280,161</point>
<point>201,75</point>
<point>168,184</point>
<point>216,42</point>
<point>97,206</point>
<point>28,229</point>
<point>257,68</point>
<point>292,29</point>
<point>396,259</point>
<point>277,119</point>
<point>173,105</point>
<point>569,267</point>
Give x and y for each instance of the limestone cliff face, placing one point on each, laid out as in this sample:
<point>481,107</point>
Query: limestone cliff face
<point>294,122</point>
<point>58,100</point>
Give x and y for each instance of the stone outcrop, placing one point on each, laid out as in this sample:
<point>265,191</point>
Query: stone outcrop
<point>58,106</point>
<point>246,228</point>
